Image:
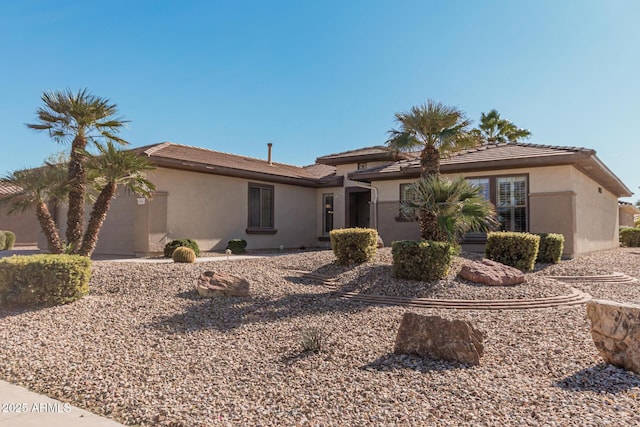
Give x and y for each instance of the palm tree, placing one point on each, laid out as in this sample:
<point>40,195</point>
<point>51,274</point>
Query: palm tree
<point>80,118</point>
<point>456,204</point>
<point>493,129</point>
<point>113,168</point>
<point>435,129</point>
<point>36,188</point>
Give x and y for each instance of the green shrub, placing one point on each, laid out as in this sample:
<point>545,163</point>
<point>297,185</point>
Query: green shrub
<point>237,246</point>
<point>630,236</point>
<point>423,260</point>
<point>551,246</point>
<point>3,240</point>
<point>172,245</point>
<point>353,245</point>
<point>184,254</point>
<point>518,250</point>
<point>43,280</point>
<point>10,240</point>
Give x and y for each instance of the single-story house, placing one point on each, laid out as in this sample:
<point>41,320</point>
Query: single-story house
<point>25,226</point>
<point>214,197</point>
<point>627,213</point>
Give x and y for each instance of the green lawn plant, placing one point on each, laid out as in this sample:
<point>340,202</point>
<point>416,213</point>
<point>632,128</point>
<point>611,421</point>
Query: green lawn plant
<point>422,260</point>
<point>353,245</point>
<point>518,250</point>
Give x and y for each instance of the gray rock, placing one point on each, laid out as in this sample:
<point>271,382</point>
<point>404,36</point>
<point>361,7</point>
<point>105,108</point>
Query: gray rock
<point>615,328</point>
<point>212,284</point>
<point>437,338</point>
<point>491,273</point>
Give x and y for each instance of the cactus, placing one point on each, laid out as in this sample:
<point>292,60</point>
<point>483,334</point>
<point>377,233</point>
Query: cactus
<point>184,254</point>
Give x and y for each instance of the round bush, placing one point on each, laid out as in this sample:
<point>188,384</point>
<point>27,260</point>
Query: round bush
<point>10,240</point>
<point>172,245</point>
<point>184,254</point>
<point>237,246</point>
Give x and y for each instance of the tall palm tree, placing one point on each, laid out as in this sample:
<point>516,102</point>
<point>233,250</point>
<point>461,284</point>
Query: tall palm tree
<point>435,129</point>
<point>80,118</point>
<point>36,188</point>
<point>113,168</point>
<point>493,129</point>
<point>457,206</point>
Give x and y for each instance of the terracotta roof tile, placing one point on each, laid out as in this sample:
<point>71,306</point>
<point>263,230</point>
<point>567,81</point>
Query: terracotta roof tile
<point>6,189</point>
<point>189,155</point>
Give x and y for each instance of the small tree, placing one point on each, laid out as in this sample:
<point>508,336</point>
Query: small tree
<point>493,129</point>
<point>36,188</point>
<point>437,130</point>
<point>112,168</point>
<point>456,204</point>
<point>79,118</point>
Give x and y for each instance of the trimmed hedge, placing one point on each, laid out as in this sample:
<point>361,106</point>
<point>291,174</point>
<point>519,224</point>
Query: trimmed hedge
<point>43,280</point>
<point>630,236</point>
<point>353,245</point>
<point>3,240</point>
<point>237,246</point>
<point>423,260</point>
<point>172,245</point>
<point>10,240</point>
<point>518,250</point>
<point>551,246</point>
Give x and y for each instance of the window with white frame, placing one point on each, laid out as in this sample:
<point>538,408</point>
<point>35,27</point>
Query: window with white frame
<point>511,203</point>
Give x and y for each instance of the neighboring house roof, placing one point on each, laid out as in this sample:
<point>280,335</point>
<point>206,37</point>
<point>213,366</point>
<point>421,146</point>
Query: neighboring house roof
<point>628,207</point>
<point>367,154</point>
<point>8,189</point>
<point>186,157</point>
<point>505,156</point>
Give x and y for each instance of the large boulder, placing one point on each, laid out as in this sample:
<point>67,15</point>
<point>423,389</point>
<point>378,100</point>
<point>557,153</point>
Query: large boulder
<point>212,284</point>
<point>615,328</point>
<point>437,338</point>
<point>491,273</point>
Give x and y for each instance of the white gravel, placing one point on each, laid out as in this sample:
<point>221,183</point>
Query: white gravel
<point>144,349</point>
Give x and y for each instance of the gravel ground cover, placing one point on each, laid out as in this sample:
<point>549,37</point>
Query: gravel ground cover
<point>144,349</point>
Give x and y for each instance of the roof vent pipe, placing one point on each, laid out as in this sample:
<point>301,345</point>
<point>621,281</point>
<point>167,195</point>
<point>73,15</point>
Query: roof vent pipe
<point>269,146</point>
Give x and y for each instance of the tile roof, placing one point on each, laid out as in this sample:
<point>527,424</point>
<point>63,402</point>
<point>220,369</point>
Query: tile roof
<point>6,189</point>
<point>189,157</point>
<point>378,152</point>
<point>504,156</point>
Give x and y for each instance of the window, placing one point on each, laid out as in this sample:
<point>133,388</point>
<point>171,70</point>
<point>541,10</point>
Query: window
<point>511,203</point>
<point>483,183</point>
<point>327,213</point>
<point>260,208</point>
<point>407,193</point>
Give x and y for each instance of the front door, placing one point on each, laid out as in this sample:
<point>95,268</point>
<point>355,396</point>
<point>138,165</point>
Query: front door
<point>358,207</point>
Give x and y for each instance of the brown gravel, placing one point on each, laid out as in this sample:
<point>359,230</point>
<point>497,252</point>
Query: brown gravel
<point>144,349</point>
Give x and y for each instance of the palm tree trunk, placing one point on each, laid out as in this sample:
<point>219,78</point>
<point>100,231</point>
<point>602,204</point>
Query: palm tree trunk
<point>96,219</point>
<point>429,161</point>
<point>49,228</point>
<point>77,180</point>
<point>429,228</point>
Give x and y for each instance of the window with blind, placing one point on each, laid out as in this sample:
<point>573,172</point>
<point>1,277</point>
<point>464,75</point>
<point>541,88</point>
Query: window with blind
<point>260,207</point>
<point>511,203</point>
<point>407,193</point>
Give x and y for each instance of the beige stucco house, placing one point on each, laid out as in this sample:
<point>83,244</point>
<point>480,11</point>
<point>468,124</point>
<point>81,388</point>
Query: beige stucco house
<point>214,197</point>
<point>627,213</point>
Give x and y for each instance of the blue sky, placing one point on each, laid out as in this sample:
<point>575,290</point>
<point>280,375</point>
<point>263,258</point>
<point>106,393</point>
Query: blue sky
<point>320,77</point>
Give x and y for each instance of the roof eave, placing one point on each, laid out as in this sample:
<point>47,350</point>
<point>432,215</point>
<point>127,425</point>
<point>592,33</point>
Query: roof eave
<point>239,173</point>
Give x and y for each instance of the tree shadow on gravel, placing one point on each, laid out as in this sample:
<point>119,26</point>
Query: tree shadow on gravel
<point>226,314</point>
<point>391,362</point>
<point>600,378</point>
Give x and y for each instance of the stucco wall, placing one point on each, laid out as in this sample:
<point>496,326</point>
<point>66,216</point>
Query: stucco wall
<point>625,217</point>
<point>213,209</point>
<point>24,225</point>
<point>561,200</point>
<point>596,216</point>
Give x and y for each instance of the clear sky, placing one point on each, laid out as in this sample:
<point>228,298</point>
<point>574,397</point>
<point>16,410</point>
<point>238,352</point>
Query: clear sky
<point>318,77</point>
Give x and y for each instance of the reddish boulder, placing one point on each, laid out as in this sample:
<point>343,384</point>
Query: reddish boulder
<point>491,273</point>
<point>437,338</point>
<point>212,284</point>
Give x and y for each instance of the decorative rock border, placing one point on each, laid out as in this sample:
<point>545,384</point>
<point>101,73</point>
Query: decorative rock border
<point>620,278</point>
<point>575,297</point>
